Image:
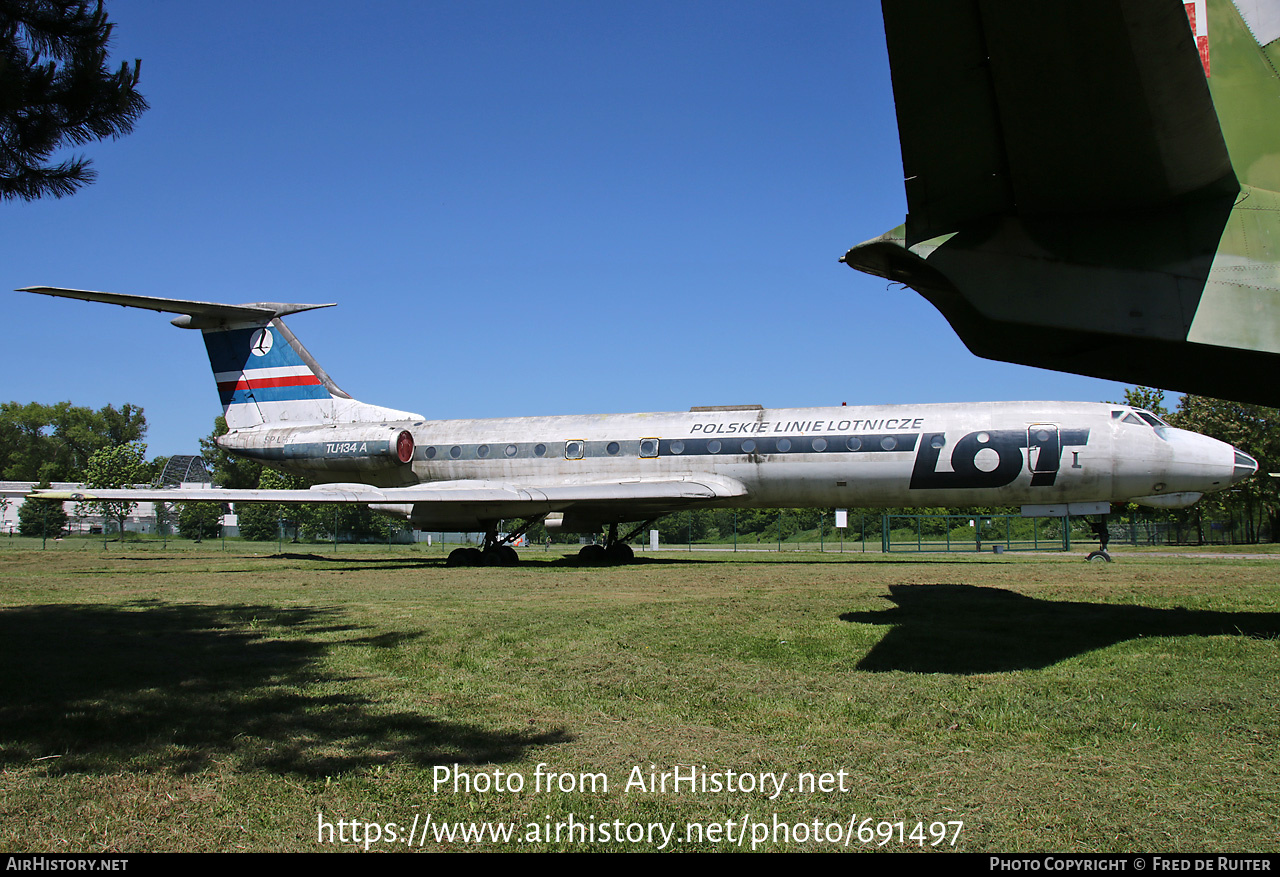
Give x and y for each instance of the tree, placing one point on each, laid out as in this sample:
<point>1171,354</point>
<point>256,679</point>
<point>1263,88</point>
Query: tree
<point>199,520</point>
<point>356,522</point>
<point>257,521</point>
<point>228,470</point>
<point>55,91</point>
<point>260,521</point>
<point>1146,398</point>
<point>117,467</point>
<point>54,442</point>
<point>1254,429</point>
<point>41,517</point>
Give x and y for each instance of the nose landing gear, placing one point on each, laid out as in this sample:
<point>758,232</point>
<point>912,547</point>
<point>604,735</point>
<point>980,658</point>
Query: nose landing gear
<point>1100,530</point>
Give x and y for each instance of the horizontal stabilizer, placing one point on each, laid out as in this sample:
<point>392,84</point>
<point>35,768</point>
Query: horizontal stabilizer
<point>198,314</point>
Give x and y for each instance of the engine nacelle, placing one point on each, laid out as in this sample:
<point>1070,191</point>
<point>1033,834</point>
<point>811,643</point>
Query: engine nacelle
<point>340,448</point>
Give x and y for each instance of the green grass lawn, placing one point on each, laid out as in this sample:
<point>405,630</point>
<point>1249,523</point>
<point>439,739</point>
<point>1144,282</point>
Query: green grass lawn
<point>207,700</point>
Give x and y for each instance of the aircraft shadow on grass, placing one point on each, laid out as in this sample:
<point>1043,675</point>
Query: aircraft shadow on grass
<point>175,687</point>
<point>963,629</point>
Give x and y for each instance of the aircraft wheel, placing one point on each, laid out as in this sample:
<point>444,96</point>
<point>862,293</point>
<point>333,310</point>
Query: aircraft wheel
<point>1098,557</point>
<point>500,555</point>
<point>592,554</point>
<point>494,557</point>
<point>619,554</point>
<point>463,557</point>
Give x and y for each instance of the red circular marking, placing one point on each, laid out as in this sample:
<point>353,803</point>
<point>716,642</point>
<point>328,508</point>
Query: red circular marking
<point>404,446</point>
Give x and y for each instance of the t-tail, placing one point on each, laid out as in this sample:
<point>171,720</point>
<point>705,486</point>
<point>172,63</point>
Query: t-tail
<point>265,377</point>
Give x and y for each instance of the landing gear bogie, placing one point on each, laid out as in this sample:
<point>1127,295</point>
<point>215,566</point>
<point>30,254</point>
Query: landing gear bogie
<point>619,554</point>
<point>499,555</point>
<point>464,557</point>
<point>592,555</point>
<point>496,551</point>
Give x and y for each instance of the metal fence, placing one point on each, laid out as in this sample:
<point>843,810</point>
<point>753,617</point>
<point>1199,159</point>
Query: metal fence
<point>977,533</point>
<point>1136,530</point>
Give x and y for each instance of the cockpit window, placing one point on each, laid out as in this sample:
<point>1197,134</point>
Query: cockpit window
<point>1138,417</point>
<point>1141,417</point>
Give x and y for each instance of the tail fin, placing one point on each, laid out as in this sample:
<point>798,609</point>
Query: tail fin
<point>265,376</point>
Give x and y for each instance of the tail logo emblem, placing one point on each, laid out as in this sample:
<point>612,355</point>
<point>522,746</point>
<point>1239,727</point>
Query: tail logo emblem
<point>260,343</point>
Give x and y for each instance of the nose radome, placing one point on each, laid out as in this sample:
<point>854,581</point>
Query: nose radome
<point>1245,467</point>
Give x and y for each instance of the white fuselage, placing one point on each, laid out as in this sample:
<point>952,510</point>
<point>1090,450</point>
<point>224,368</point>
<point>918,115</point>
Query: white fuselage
<point>1002,453</point>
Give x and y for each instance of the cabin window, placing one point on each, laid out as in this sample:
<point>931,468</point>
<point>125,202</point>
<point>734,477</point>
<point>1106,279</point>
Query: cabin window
<point>431,453</point>
<point>612,449</point>
<point>749,446</point>
<point>539,450</point>
<point>854,443</point>
<point>677,447</point>
<point>455,452</point>
<point>649,447</point>
<point>511,450</point>
<point>819,444</point>
<point>714,446</point>
<point>482,451</point>
<point>573,449</point>
<point>888,443</point>
<point>937,442</point>
<point>784,445</point>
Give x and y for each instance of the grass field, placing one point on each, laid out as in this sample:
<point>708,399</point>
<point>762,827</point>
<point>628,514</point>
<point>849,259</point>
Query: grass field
<point>197,699</point>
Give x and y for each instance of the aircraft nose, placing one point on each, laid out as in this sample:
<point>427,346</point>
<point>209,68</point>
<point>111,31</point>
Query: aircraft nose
<point>1201,464</point>
<point>1245,467</point>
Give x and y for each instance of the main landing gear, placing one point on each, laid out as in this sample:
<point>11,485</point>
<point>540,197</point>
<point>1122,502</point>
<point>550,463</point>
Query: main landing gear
<point>1100,530</point>
<point>496,551</point>
<point>615,551</point>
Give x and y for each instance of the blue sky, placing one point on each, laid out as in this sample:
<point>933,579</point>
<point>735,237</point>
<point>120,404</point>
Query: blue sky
<point>520,207</point>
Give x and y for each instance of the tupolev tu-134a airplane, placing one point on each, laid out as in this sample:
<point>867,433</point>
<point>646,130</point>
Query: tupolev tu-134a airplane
<point>584,473</point>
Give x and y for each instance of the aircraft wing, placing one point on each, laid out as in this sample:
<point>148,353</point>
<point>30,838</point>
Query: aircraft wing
<point>690,489</point>
<point>461,502</point>
<point>1044,108</point>
<point>1094,186</point>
